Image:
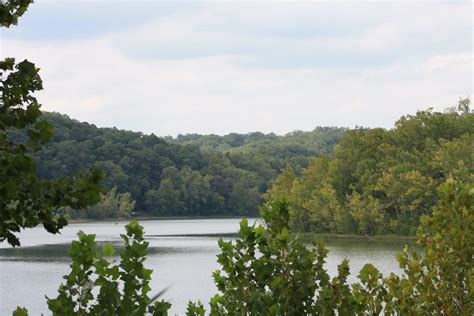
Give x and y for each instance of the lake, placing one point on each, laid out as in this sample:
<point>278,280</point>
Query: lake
<point>183,263</point>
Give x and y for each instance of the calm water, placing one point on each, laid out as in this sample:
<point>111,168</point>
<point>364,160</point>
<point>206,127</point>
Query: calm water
<point>184,263</point>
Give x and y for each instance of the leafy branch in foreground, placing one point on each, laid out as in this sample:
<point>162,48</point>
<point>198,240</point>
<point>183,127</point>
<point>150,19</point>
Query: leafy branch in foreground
<point>267,271</point>
<point>11,10</point>
<point>97,286</point>
<point>441,279</point>
<point>26,200</point>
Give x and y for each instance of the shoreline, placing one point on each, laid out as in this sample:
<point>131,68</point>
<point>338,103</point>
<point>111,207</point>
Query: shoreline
<point>308,237</point>
<point>152,218</point>
<point>305,237</point>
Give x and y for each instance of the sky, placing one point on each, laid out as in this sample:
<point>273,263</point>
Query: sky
<point>180,67</point>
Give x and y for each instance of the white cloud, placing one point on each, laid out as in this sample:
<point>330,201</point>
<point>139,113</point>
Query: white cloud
<point>451,62</point>
<point>103,81</point>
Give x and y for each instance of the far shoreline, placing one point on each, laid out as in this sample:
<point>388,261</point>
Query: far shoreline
<point>153,218</point>
<point>305,237</point>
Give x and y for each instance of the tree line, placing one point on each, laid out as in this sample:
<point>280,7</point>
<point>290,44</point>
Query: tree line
<point>379,181</point>
<point>178,176</point>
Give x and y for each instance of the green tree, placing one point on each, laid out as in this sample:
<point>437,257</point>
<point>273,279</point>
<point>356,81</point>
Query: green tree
<point>366,212</point>
<point>11,10</point>
<point>282,184</point>
<point>267,271</point>
<point>455,158</point>
<point>381,181</point>
<point>112,205</point>
<point>25,199</point>
<point>97,286</point>
<point>441,279</point>
<point>409,194</point>
<point>169,198</point>
<point>325,211</point>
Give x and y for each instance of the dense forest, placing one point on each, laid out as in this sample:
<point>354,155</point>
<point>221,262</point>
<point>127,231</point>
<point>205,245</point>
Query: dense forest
<point>292,147</point>
<point>190,175</point>
<point>364,181</point>
<point>381,181</point>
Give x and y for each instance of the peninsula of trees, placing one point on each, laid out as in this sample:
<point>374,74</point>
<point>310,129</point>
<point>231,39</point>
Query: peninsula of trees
<point>381,181</point>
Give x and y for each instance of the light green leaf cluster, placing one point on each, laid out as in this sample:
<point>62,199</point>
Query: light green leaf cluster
<point>268,271</point>
<point>97,285</point>
<point>112,205</point>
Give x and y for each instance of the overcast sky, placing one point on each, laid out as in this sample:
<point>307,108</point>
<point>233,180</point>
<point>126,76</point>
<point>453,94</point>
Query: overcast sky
<point>193,67</point>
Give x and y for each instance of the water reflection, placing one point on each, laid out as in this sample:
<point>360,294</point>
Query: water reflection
<point>47,253</point>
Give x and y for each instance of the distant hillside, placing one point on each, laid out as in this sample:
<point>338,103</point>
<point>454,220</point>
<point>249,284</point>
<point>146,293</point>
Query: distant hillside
<point>320,140</point>
<point>186,176</point>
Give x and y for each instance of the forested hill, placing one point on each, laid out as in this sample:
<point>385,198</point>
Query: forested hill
<point>186,176</point>
<point>380,181</point>
<point>291,145</point>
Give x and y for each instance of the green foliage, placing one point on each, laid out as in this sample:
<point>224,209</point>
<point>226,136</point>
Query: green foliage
<point>195,309</point>
<point>381,181</point>
<point>98,286</point>
<point>26,200</point>
<point>20,311</point>
<point>267,271</point>
<point>179,176</point>
<point>111,205</point>
<point>291,147</point>
<point>366,212</point>
<point>282,184</point>
<point>441,279</point>
<point>11,10</point>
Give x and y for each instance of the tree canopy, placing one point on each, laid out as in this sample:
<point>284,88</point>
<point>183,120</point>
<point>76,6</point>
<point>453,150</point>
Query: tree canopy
<point>381,181</point>
<point>174,177</point>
